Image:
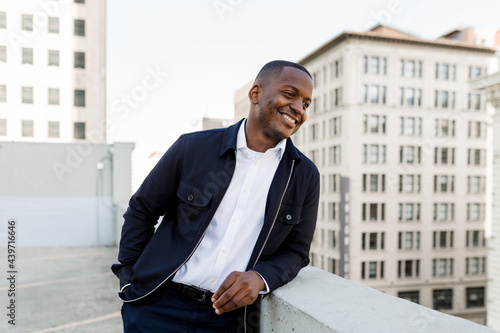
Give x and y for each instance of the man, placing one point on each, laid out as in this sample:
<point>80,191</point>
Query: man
<point>239,206</point>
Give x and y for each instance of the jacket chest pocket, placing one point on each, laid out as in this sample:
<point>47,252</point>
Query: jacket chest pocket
<point>193,202</point>
<point>289,214</point>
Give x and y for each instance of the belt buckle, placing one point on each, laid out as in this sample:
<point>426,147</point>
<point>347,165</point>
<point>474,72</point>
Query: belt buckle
<point>203,292</point>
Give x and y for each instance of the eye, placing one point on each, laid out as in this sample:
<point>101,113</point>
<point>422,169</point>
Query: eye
<point>306,105</point>
<point>288,93</point>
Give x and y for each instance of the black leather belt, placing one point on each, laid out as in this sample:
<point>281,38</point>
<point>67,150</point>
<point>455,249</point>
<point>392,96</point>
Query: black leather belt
<point>198,294</point>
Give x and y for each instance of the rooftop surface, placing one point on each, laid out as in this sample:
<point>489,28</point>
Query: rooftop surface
<point>61,290</point>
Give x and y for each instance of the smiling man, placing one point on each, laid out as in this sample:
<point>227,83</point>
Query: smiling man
<point>239,206</point>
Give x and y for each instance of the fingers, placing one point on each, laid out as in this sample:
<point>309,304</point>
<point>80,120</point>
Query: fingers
<point>237,290</point>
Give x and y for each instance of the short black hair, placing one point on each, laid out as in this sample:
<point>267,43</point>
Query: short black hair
<point>275,68</point>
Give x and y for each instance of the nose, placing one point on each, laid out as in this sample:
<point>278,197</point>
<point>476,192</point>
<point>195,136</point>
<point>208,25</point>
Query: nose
<point>298,106</point>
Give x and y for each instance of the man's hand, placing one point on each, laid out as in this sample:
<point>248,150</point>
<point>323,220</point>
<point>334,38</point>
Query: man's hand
<point>237,290</point>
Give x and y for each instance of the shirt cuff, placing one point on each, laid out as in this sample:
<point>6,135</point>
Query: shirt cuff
<point>263,292</point>
<point>128,284</point>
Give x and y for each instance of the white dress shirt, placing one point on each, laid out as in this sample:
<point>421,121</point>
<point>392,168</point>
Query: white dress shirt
<point>236,225</point>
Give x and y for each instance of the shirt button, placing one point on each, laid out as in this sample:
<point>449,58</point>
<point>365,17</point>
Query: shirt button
<point>190,197</point>
<point>212,280</point>
<point>288,217</point>
<point>224,251</point>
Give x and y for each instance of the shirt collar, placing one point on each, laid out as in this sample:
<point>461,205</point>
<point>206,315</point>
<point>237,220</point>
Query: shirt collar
<point>241,141</point>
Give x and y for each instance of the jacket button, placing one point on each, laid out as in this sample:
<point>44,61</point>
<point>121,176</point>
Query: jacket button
<point>288,217</point>
<point>190,197</point>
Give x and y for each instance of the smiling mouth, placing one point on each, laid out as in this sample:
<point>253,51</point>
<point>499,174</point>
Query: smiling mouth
<point>288,119</point>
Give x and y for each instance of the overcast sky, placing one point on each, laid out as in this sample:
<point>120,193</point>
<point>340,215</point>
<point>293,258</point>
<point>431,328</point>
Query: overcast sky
<point>172,62</point>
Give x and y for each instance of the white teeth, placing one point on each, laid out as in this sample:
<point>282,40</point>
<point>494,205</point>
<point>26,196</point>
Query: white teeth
<point>288,118</point>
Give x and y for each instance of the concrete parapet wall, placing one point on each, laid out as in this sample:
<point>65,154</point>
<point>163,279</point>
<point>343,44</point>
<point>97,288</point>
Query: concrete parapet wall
<point>320,302</point>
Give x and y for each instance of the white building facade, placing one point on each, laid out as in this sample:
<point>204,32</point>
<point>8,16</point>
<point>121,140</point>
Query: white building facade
<point>491,85</point>
<point>402,145</point>
<point>53,71</point>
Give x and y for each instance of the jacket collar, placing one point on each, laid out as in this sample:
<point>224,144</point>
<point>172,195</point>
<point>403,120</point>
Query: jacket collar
<point>229,142</point>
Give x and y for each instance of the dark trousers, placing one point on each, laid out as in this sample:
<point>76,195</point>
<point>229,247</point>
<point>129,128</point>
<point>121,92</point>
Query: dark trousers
<point>176,313</point>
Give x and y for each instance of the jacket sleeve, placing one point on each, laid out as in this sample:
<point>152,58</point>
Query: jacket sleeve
<point>293,253</point>
<point>153,199</point>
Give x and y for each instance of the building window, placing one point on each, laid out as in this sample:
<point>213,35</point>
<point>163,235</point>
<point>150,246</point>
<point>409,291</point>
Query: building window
<point>54,58</point>
<point>409,240</point>
<point>411,68</point>
<point>373,212</point>
<point>3,53</point>
<point>79,98</point>
<point>3,93</point>
<point>332,211</point>
<point>476,71</point>
<point>444,212</point>
<point>475,297</point>
<point>335,126</point>
<point>475,238</point>
<point>409,183</point>
<point>410,96</point>
<point>476,157</point>
<point>476,184</point>
<point>442,299</point>
<point>377,154</point>
<point>408,212</point>
<point>53,25</point>
<point>27,56</point>
<point>442,267</point>
<point>475,266</point>
<point>475,212</point>
<point>474,101</point>
<point>3,20</point>
<point>27,95</point>
<point>374,94</point>
<point>444,184</point>
<point>444,99</point>
<point>373,241</point>
<point>410,126</point>
<point>80,1</point>
<point>375,65</point>
<point>79,28</point>
<point>412,296</point>
<point>334,152</point>
<point>477,129</point>
<point>332,183</point>
<point>408,268</point>
<point>27,22</point>
<point>410,154</point>
<point>27,128</point>
<point>442,239</point>
<point>79,131</point>
<point>3,127</point>
<point>373,182</point>
<point>445,71</point>
<point>79,60</point>
<point>444,155</point>
<point>53,129</point>
<point>444,128</point>
<point>53,96</point>
<point>372,270</point>
<point>374,123</point>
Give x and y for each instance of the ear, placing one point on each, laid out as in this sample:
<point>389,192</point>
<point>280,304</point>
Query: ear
<point>254,93</point>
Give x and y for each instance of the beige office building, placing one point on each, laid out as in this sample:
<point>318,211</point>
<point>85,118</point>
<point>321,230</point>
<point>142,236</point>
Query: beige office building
<point>53,71</point>
<point>491,86</point>
<point>403,146</point>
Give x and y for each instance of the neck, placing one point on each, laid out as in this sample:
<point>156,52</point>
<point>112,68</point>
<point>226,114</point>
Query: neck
<point>258,141</point>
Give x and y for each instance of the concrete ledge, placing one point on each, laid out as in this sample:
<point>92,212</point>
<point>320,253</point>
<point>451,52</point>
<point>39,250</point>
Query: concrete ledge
<point>320,302</point>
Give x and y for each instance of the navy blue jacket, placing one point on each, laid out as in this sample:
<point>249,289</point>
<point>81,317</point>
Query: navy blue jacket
<point>186,186</point>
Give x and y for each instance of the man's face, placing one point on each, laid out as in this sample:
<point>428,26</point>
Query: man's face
<point>282,103</point>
